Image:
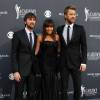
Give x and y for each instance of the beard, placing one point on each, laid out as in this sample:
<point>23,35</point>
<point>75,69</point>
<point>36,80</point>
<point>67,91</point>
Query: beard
<point>31,26</point>
<point>70,21</point>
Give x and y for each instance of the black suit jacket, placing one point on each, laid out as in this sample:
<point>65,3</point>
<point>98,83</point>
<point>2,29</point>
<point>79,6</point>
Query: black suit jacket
<point>24,60</point>
<point>74,53</point>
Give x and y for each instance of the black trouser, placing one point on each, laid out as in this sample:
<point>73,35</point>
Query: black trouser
<point>19,88</point>
<point>76,77</point>
<point>33,88</point>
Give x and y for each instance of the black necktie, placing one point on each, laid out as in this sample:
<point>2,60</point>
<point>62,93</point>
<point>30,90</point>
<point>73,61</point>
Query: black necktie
<point>68,40</point>
<point>31,39</point>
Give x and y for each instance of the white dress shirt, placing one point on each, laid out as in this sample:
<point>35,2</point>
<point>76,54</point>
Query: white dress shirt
<point>70,32</point>
<point>28,35</point>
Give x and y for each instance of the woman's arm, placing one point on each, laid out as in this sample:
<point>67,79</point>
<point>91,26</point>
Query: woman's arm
<point>39,40</point>
<point>59,46</point>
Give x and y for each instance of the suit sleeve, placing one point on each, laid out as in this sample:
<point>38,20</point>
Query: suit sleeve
<point>14,53</point>
<point>58,30</point>
<point>36,65</point>
<point>83,46</point>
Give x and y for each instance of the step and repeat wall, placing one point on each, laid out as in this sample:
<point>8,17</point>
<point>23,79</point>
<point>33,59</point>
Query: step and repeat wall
<point>11,19</point>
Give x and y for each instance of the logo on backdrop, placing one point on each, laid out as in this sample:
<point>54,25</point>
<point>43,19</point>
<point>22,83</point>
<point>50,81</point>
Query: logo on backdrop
<point>47,13</point>
<point>70,92</point>
<point>94,56</point>
<point>3,13</point>
<point>94,75</point>
<point>94,36</point>
<point>21,12</point>
<point>11,76</point>
<point>2,95</point>
<point>10,34</point>
<point>82,90</point>
<point>88,91</point>
<point>92,16</point>
<point>61,14</point>
<point>3,56</point>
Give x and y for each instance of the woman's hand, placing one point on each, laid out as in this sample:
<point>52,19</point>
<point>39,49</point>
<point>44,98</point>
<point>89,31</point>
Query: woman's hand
<point>39,39</point>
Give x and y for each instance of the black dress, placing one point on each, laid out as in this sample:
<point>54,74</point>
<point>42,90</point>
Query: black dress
<point>48,59</point>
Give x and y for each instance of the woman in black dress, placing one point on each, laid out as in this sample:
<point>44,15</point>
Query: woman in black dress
<point>48,47</point>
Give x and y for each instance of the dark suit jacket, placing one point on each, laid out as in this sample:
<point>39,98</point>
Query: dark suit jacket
<point>24,60</point>
<point>74,53</point>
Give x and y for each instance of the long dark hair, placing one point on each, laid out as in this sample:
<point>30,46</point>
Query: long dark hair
<point>49,23</point>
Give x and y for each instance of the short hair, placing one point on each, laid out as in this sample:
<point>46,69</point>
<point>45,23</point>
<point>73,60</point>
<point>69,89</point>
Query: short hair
<point>72,7</point>
<point>29,15</point>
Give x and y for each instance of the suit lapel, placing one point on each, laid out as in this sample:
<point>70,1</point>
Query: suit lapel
<point>73,33</point>
<point>62,38</point>
<point>26,40</point>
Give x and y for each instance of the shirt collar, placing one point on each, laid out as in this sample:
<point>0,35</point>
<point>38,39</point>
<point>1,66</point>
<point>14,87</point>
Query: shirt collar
<point>28,31</point>
<point>71,25</point>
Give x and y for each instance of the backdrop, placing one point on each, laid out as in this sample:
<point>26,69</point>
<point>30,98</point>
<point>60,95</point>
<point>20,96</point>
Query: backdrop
<point>11,19</point>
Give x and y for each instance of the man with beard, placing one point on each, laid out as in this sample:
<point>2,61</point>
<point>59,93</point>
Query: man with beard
<point>24,61</point>
<point>73,52</point>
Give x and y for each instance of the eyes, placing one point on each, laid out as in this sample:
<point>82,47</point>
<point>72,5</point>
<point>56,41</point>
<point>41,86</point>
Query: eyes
<point>71,14</point>
<point>31,19</point>
<point>49,28</point>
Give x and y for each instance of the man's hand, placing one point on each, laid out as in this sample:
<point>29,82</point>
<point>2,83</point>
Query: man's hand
<point>17,76</point>
<point>83,67</point>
